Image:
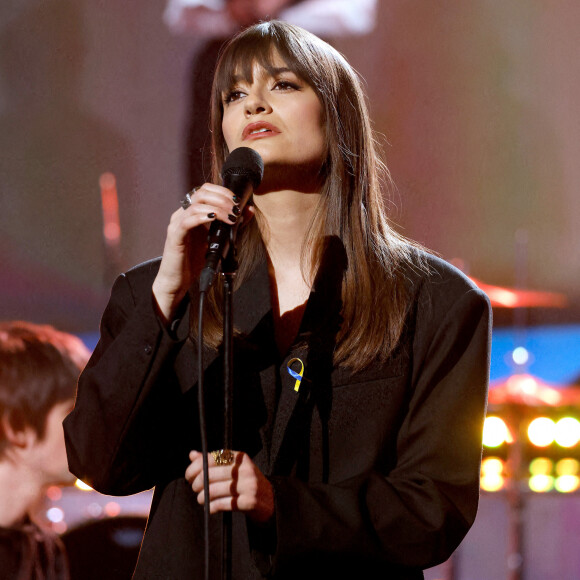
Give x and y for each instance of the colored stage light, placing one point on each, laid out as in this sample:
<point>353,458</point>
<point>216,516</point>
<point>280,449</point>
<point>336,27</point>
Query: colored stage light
<point>520,355</point>
<point>492,474</point>
<point>54,515</point>
<point>541,483</point>
<point>54,493</point>
<point>568,466</point>
<point>542,431</point>
<point>110,206</point>
<point>112,509</point>
<point>94,509</point>
<point>567,432</point>
<point>567,483</point>
<point>82,485</point>
<point>541,466</point>
<point>495,432</point>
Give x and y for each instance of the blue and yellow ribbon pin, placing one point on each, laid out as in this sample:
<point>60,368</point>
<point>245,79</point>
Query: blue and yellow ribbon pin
<point>294,374</point>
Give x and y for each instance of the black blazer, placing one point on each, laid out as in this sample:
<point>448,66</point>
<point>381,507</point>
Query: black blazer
<point>375,474</point>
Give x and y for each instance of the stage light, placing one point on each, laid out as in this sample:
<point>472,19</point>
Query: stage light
<point>567,472</point>
<point>60,527</point>
<point>541,466</point>
<point>520,355</point>
<point>55,515</point>
<point>112,509</point>
<point>82,485</point>
<point>541,483</point>
<point>568,466</point>
<point>94,510</point>
<point>54,493</point>
<point>495,432</point>
<point>567,432</point>
<point>542,431</point>
<point>567,483</point>
<point>492,474</point>
<point>541,479</point>
<point>110,207</point>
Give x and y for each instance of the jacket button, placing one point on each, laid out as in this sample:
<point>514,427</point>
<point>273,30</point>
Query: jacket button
<point>148,349</point>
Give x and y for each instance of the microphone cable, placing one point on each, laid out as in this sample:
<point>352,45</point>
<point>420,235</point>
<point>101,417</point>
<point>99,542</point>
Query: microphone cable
<point>203,433</point>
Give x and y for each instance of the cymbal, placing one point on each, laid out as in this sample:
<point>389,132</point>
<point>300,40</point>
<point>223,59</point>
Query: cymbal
<point>529,391</point>
<point>501,297</point>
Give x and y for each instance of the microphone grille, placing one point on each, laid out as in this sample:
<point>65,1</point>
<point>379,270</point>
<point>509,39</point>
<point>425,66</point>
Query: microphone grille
<point>244,161</point>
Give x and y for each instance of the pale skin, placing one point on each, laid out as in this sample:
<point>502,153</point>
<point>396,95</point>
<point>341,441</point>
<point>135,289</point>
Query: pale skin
<point>279,116</point>
<point>30,464</point>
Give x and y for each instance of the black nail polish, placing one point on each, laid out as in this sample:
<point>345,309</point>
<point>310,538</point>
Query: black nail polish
<point>211,215</point>
<point>236,199</point>
<point>232,218</point>
<point>236,210</point>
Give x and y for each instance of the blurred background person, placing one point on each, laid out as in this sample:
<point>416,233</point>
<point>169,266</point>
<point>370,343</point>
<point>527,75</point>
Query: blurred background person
<point>39,368</point>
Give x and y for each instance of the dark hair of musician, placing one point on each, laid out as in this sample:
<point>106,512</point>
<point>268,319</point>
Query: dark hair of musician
<point>39,368</point>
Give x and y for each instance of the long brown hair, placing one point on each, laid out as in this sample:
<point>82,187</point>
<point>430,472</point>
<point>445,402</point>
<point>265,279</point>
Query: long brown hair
<point>375,298</point>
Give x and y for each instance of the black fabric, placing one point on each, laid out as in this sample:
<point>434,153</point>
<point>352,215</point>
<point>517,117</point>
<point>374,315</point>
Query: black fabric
<point>375,474</point>
<point>104,549</point>
<point>30,553</point>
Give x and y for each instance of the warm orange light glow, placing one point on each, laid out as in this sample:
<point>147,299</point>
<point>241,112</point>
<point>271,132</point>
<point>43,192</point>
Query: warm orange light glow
<point>567,432</point>
<point>82,485</point>
<point>567,483</point>
<point>541,483</point>
<point>541,466</point>
<point>568,466</point>
<point>492,474</point>
<point>112,509</point>
<point>495,432</point>
<point>110,206</point>
<point>525,389</point>
<point>508,298</point>
<point>54,493</point>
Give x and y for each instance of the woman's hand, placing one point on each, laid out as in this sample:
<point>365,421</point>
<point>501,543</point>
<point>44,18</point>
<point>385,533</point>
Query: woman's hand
<point>240,486</point>
<point>185,245</point>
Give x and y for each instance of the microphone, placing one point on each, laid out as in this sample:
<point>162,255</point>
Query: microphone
<point>242,173</point>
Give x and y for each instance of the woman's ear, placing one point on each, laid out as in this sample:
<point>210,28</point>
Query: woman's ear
<point>15,431</point>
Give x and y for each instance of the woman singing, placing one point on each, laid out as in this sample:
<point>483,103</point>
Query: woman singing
<point>361,361</point>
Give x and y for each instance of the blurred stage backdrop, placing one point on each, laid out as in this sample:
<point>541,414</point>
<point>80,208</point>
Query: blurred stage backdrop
<point>478,105</point>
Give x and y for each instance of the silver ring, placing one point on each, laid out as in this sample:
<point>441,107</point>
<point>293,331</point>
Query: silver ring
<point>186,201</point>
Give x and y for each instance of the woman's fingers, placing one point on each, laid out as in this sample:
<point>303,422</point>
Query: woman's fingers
<point>220,201</point>
<point>240,486</point>
<point>186,244</point>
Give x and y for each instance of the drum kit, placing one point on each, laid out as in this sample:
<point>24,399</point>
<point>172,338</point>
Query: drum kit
<point>516,399</point>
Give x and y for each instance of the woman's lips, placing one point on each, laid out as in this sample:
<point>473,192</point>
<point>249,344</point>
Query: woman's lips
<point>259,131</point>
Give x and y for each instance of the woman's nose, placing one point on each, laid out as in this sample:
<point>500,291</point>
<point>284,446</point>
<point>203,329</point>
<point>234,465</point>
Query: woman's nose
<point>256,103</point>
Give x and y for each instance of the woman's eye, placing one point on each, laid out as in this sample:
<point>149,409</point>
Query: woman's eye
<point>232,96</point>
<point>285,86</point>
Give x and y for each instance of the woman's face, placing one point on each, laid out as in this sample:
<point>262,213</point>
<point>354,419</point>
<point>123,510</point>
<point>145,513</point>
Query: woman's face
<point>277,114</point>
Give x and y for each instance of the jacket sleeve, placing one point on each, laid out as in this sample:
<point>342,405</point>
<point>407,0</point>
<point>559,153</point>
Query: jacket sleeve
<point>415,515</point>
<point>120,431</point>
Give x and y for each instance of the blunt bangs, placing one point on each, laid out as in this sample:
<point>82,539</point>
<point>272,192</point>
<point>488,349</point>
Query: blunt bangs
<point>302,52</point>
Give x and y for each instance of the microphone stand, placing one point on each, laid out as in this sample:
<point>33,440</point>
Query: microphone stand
<point>228,273</point>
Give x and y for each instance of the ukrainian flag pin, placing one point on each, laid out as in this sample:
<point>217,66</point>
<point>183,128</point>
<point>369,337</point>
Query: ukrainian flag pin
<point>294,374</point>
